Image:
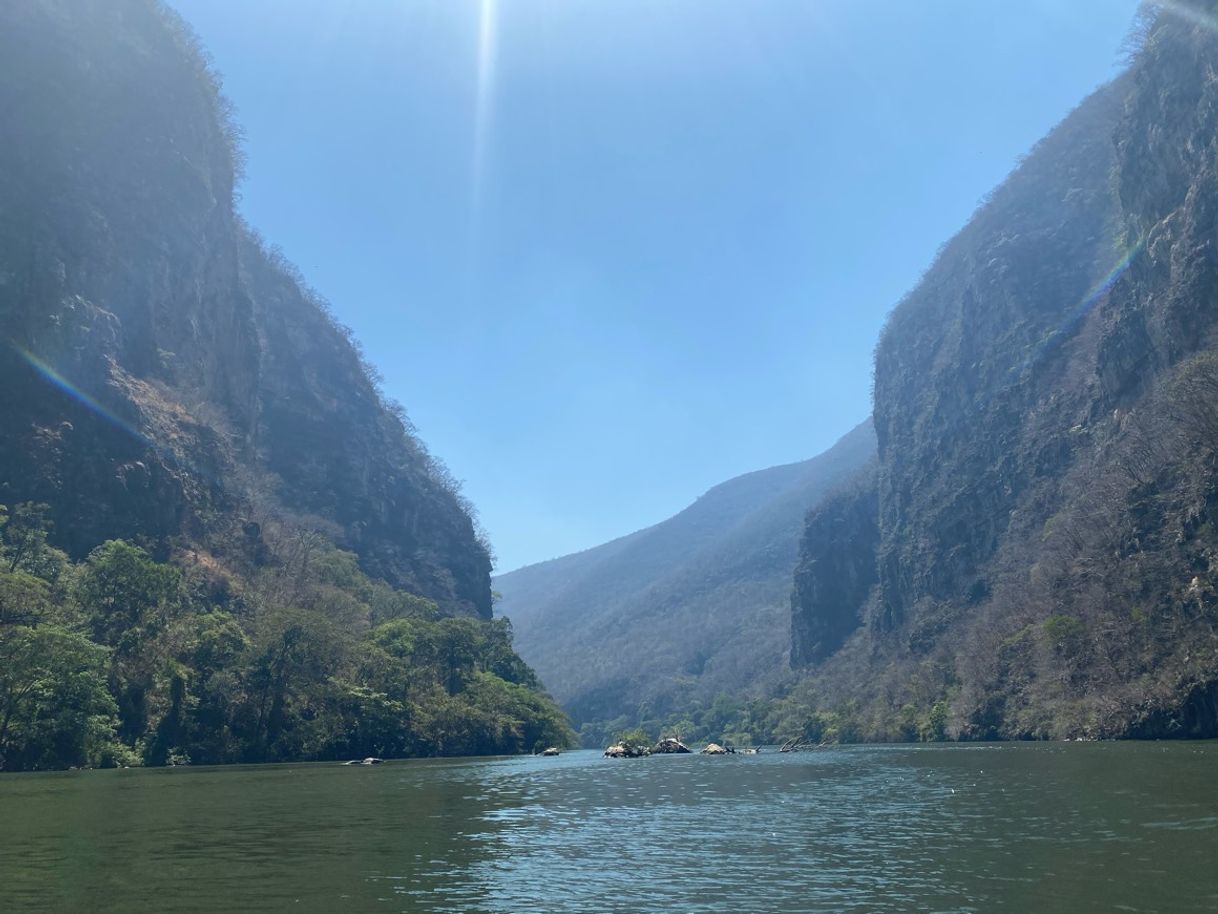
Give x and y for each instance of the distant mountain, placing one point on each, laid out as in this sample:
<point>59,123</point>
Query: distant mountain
<point>669,617</point>
<point>1036,552</point>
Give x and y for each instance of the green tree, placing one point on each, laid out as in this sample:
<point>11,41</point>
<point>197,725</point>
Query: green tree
<point>129,601</point>
<point>128,596</point>
<point>637,737</point>
<point>291,661</point>
<point>23,542</point>
<point>55,708</point>
<point>24,599</point>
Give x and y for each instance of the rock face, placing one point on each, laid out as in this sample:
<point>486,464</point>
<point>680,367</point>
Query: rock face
<point>836,571</point>
<point>164,375</point>
<point>1033,554</point>
<point>656,617</point>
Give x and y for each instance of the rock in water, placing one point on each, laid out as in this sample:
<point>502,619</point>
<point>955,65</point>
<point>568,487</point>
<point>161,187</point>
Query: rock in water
<point>669,746</point>
<point>625,750</point>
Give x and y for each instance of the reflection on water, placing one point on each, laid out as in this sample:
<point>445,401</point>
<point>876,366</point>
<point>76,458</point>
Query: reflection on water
<point>1098,827</point>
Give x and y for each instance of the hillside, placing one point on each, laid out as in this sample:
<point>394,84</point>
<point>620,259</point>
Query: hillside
<point>1034,552</point>
<point>666,619</point>
<point>166,374</point>
<point>218,541</point>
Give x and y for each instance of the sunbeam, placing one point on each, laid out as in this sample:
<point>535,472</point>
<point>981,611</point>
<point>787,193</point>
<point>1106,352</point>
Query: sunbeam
<point>487,37</point>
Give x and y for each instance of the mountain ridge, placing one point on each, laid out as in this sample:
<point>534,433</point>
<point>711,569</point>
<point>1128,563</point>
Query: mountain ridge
<point>722,563</point>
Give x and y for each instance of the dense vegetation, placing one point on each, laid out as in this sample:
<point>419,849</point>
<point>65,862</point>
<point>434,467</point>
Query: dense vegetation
<point>1046,499</point>
<point>123,659</point>
<point>658,625</point>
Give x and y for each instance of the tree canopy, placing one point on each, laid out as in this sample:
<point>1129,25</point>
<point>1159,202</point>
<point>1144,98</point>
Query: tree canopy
<point>125,659</point>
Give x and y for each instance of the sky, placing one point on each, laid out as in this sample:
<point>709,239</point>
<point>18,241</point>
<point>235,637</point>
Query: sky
<point>611,253</point>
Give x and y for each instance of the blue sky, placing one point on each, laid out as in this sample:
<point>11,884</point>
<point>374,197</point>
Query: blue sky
<point>609,253</point>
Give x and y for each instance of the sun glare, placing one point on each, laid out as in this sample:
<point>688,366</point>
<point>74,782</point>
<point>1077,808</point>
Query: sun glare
<point>487,28</point>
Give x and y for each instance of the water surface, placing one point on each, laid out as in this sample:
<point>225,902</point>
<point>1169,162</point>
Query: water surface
<point>1026,827</point>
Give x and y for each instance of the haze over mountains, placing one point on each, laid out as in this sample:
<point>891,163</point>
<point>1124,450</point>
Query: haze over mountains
<point>1032,554</point>
<point>216,522</point>
<point>673,615</point>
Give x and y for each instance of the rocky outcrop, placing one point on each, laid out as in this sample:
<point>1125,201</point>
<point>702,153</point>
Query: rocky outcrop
<point>626,750</point>
<point>971,398</point>
<point>1046,495</point>
<point>670,746</point>
<point>165,376</point>
<point>836,571</point>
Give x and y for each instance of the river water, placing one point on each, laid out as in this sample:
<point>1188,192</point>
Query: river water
<point>1019,827</point>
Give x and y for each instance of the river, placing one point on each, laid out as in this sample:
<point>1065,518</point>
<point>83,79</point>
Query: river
<point>1019,827</point>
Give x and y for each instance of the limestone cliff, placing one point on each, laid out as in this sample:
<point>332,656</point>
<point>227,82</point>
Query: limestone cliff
<point>163,374</point>
<point>1044,405</point>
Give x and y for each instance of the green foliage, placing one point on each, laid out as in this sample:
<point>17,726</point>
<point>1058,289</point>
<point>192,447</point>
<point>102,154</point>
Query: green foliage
<point>934,727</point>
<point>23,543</point>
<point>127,596</point>
<point>1063,632</point>
<point>55,708</point>
<point>126,660</point>
<point>635,737</point>
<point>24,599</point>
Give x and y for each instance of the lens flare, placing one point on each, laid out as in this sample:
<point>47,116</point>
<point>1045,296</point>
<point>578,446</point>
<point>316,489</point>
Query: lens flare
<point>71,390</point>
<point>1104,286</point>
<point>1076,314</point>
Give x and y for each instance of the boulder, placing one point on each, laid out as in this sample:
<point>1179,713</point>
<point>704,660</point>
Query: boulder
<point>553,750</point>
<point>669,746</point>
<point>716,749</point>
<point>626,750</point>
